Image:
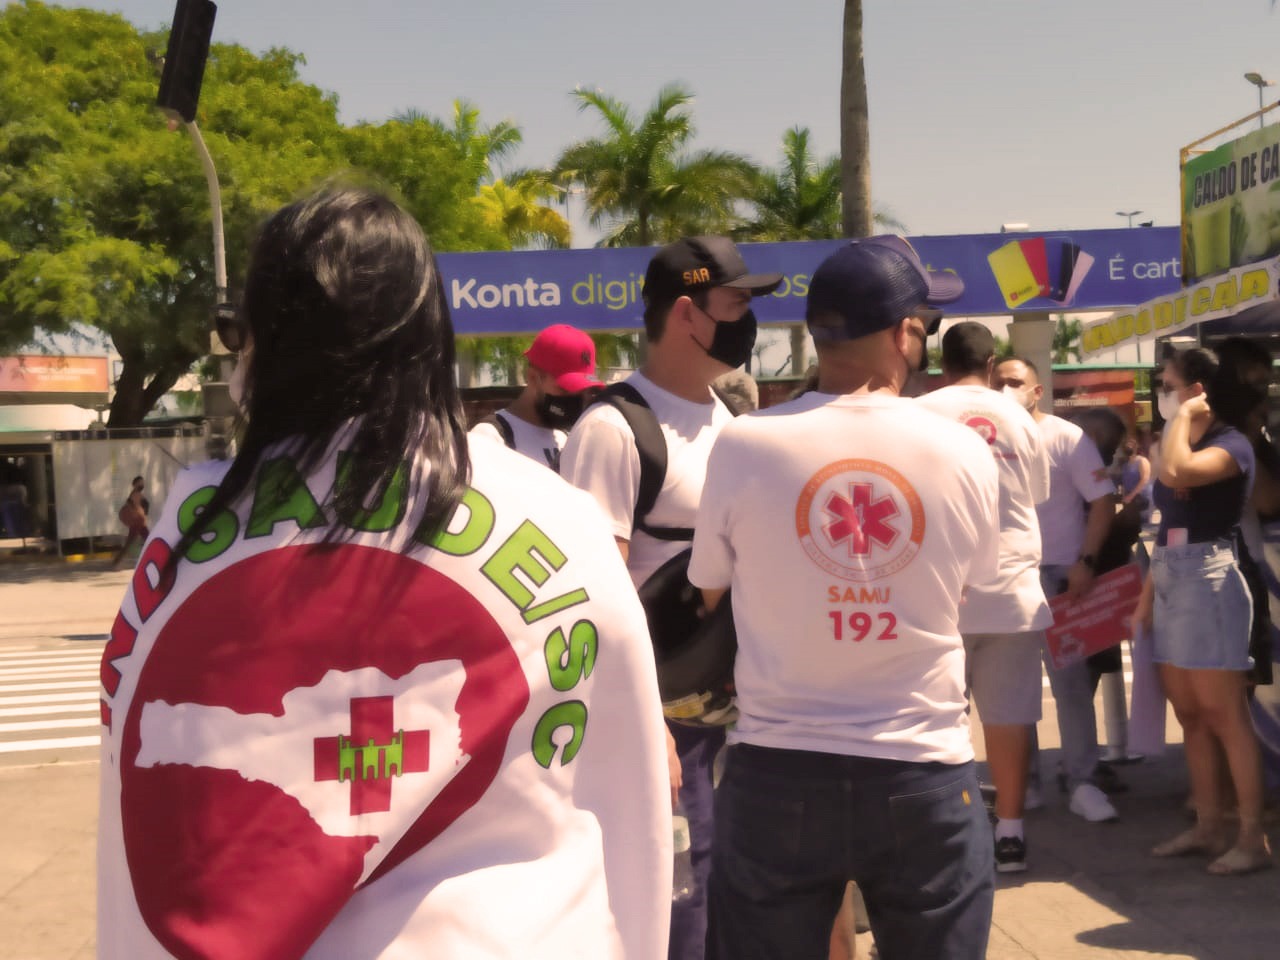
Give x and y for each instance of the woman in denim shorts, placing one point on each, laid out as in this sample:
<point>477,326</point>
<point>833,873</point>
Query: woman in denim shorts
<point>1196,600</point>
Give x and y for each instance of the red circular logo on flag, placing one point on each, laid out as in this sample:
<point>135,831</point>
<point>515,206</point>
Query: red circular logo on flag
<point>306,720</point>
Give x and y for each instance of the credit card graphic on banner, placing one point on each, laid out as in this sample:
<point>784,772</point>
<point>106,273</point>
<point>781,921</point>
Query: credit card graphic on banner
<point>1034,251</point>
<point>1013,274</point>
<point>1060,254</point>
<point>1081,269</point>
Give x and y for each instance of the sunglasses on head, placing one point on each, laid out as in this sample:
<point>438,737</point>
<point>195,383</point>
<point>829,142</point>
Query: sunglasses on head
<point>231,328</point>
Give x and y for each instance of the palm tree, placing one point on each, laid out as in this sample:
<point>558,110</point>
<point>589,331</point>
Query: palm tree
<point>855,134</point>
<point>479,147</point>
<point>641,183</point>
<point>1066,340</point>
<point>516,208</point>
<point>482,146</point>
<point>800,200</point>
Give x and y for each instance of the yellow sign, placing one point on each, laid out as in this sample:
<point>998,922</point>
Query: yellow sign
<point>1211,299</point>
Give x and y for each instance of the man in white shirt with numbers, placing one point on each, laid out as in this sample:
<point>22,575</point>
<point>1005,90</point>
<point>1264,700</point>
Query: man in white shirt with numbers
<point>561,369</point>
<point>697,295</point>
<point>1002,621</point>
<point>1071,536</point>
<point>847,523</point>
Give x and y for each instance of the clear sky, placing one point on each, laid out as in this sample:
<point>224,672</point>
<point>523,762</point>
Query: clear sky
<point>983,112</point>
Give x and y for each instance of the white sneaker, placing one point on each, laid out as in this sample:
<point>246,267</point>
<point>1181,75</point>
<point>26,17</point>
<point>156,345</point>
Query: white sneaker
<point>1089,802</point>
<point>1033,800</point>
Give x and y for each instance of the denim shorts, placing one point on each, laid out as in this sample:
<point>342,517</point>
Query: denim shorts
<point>1203,609</point>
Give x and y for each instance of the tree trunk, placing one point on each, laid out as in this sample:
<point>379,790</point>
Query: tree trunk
<point>134,397</point>
<point>126,405</point>
<point>855,138</point>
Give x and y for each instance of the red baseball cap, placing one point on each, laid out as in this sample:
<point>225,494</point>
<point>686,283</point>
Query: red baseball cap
<point>566,353</point>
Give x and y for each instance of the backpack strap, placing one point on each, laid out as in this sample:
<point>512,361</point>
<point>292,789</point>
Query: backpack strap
<point>651,445</point>
<point>503,427</point>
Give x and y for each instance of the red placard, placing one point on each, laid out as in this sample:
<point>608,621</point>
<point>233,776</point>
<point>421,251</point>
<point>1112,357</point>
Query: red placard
<point>1100,619</point>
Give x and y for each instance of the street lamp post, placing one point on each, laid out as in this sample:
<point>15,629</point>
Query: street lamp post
<point>1256,79</point>
<point>1128,214</point>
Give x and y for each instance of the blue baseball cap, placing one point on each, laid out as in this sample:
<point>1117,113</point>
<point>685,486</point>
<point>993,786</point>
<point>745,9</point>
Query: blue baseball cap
<point>870,285</point>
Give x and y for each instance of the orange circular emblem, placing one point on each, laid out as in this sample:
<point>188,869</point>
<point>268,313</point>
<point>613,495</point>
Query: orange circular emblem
<point>860,520</point>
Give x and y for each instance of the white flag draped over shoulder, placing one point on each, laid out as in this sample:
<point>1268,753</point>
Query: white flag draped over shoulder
<point>381,747</point>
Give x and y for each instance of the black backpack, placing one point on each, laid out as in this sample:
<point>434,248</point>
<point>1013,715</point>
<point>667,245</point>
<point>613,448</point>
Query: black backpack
<point>694,652</point>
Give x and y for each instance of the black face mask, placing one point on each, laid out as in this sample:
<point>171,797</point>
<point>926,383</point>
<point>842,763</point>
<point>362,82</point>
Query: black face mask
<point>559,412</point>
<point>733,340</point>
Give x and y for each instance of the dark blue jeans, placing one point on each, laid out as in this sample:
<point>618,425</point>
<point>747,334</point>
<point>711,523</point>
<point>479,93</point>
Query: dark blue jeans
<point>697,748</point>
<point>792,827</point>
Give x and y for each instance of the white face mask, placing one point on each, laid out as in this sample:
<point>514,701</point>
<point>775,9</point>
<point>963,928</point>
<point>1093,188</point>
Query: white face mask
<point>1023,397</point>
<point>1168,405</point>
<point>235,385</point>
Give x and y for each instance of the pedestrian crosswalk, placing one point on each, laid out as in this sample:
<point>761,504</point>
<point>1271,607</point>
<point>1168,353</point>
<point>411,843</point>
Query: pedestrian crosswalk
<point>49,697</point>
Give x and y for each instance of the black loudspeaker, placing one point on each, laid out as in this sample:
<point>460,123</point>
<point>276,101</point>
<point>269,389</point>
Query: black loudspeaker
<point>185,58</point>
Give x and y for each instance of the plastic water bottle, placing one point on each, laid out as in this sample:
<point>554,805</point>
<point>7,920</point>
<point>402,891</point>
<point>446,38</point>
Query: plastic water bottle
<point>683,882</point>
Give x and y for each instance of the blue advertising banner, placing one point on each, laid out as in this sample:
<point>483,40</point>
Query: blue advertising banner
<point>508,293</point>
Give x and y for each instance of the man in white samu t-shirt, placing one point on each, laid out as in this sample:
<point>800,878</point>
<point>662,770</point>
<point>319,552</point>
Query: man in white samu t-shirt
<point>1002,621</point>
<point>561,369</point>
<point>1071,539</point>
<point>848,522</point>
<point>697,295</point>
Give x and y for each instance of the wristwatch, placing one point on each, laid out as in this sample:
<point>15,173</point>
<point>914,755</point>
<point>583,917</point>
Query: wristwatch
<point>1089,560</point>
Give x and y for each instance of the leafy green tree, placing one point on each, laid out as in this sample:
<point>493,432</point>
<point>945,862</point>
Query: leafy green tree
<point>104,212</point>
<point>643,185</point>
<point>463,204</point>
<point>417,160</point>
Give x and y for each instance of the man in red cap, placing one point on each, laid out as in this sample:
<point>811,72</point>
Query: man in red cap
<point>560,370</point>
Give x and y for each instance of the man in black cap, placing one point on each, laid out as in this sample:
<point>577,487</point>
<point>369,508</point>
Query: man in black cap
<point>697,297</point>
<point>848,523</point>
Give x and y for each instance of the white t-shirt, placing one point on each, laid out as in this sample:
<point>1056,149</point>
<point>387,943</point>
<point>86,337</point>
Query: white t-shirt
<point>600,456</point>
<point>1076,477</point>
<point>847,527</point>
<point>358,751</point>
<point>1014,601</point>
<point>540,444</point>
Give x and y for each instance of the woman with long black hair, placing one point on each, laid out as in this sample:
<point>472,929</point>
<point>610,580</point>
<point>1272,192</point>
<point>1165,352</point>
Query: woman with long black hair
<point>1199,606</point>
<point>372,692</point>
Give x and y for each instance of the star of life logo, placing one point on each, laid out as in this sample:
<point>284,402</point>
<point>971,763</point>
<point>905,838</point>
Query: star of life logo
<point>859,520</point>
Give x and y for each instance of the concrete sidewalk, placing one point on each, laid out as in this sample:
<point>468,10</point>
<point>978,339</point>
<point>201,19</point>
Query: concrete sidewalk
<point>1092,890</point>
<point>47,873</point>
